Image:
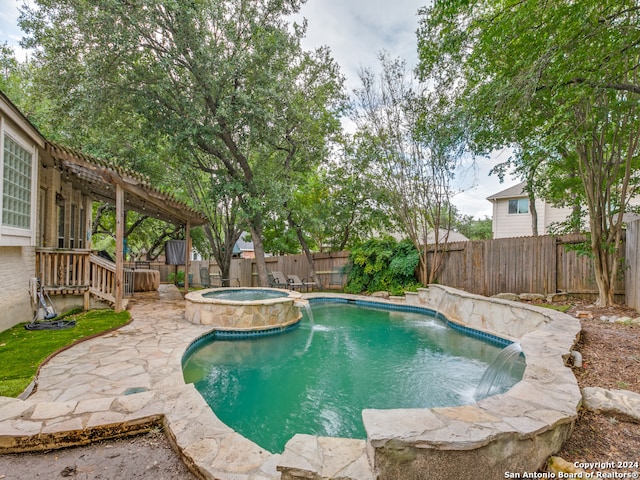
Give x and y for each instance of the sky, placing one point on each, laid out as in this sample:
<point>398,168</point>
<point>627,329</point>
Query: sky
<point>356,31</point>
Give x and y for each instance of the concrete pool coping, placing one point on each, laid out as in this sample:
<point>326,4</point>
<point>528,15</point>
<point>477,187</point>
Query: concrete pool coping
<point>81,397</point>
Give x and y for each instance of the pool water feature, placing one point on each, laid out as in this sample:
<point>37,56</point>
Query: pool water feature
<point>497,378</point>
<point>318,377</point>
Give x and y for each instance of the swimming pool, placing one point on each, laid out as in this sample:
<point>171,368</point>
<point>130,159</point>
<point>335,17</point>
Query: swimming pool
<point>317,377</point>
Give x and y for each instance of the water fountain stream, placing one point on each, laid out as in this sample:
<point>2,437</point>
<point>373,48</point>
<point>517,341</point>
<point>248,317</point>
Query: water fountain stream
<point>499,374</point>
<point>307,308</point>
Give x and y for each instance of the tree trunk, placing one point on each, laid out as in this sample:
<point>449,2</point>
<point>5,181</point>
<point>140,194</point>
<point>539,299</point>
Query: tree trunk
<point>222,250</point>
<point>424,268</point>
<point>305,249</point>
<point>602,273</point>
<point>261,264</point>
<point>534,213</point>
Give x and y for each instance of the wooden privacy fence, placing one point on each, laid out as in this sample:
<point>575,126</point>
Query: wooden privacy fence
<point>328,265</point>
<point>632,272</point>
<point>540,264</point>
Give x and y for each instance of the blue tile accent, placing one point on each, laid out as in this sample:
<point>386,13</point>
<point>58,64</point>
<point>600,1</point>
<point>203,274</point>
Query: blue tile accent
<point>236,335</point>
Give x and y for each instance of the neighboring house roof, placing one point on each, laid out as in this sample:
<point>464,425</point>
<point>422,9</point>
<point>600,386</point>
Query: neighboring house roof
<point>453,237</point>
<point>242,245</point>
<point>511,192</point>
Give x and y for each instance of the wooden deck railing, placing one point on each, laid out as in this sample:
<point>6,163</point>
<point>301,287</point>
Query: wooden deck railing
<point>102,278</point>
<point>63,271</point>
<point>75,272</point>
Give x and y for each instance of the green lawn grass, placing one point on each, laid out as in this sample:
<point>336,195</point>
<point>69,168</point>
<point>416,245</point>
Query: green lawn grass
<point>22,351</point>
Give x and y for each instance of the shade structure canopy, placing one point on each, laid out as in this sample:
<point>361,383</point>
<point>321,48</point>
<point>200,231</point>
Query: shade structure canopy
<point>128,190</point>
<point>99,179</point>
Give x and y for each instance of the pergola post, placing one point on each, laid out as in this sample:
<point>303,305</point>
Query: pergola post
<point>118,290</point>
<point>88,214</point>
<point>187,260</point>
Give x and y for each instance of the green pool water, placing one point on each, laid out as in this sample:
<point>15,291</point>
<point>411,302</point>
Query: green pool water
<point>317,378</point>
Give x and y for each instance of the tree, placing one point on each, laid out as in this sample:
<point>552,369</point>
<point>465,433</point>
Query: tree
<point>472,228</point>
<point>341,203</point>
<point>220,202</point>
<point>561,83</point>
<point>414,157</point>
<point>9,68</point>
<point>215,76</point>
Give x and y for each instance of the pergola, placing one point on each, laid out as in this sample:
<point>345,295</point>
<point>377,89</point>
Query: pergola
<point>127,190</point>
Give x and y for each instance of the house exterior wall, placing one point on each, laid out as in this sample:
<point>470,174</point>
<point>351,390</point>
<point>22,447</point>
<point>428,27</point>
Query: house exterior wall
<point>553,215</point>
<point>18,266</point>
<point>19,192</point>
<point>508,225</point>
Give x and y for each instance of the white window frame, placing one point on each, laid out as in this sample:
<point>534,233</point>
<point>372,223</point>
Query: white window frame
<point>13,236</point>
<point>518,211</point>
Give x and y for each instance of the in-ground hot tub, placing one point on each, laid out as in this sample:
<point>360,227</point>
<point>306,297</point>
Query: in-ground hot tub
<point>243,309</point>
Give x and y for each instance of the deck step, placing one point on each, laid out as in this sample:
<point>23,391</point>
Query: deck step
<point>309,457</point>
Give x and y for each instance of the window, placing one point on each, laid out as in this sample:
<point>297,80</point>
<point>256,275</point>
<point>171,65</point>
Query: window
<point>518,206</point>
<point>16,187</point>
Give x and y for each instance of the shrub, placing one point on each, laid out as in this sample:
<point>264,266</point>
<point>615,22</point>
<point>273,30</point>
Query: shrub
<point>383,265</point>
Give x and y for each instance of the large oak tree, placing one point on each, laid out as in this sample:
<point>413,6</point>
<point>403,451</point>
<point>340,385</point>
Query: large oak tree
<point>226,78</point>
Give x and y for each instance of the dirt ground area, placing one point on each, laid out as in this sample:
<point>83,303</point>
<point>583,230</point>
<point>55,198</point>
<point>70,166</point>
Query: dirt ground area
<point>147,457</point>
<point>611,353</point>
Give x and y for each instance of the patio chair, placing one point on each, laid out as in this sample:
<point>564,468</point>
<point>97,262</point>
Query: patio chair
<point>296,283</point>
<point>278,280</point>
<point>142,264</point>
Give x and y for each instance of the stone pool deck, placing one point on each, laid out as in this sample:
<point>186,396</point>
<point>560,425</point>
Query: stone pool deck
<point>130,381</point>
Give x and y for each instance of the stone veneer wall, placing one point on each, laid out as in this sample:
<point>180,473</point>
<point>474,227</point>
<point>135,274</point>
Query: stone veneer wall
<point>252,315</point>
<point>18,266</point>
<point>514,432</point>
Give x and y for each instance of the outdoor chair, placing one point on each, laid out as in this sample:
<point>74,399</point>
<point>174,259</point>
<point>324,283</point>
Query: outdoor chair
<point>296,283</point>
<point>278,280</point>
<point>142,264</point>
